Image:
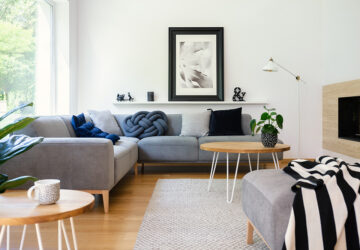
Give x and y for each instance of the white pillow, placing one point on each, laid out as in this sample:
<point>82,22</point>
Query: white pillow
<point>105,121</point>
<point>195,124</point>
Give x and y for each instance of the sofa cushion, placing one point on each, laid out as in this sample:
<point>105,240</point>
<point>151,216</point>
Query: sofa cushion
<point>67,121</point>
<point>174,123</point>
<point>226,122</point>
<point>267,201</point>
<point>206,156</point>
<point>125,156</point>
<point>83,128</point>
<point>168,149</point>
<point>195,124</point>
<point>144,124</point>
<point>245,124</point>
<point>46,126</point>
<point>105,121</point>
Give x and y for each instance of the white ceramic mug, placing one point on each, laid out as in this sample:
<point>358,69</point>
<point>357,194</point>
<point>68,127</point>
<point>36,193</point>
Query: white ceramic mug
<point>46,191</point>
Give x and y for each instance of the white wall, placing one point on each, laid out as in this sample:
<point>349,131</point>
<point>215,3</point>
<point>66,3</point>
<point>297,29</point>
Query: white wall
<point>341,45</point>
<point>123,46</point>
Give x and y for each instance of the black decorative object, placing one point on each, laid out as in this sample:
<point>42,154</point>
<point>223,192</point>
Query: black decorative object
<point>150,96</point>
<point>130,97</point>
<point>120,98</point>
<point>196,64</point>
<point>269,140</point>
<point>238,95</point>
<point>225,122</point>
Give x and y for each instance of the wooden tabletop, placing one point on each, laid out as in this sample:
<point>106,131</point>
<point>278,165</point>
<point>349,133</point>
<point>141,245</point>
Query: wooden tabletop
<point>242,147</point>
<point>17,209</point>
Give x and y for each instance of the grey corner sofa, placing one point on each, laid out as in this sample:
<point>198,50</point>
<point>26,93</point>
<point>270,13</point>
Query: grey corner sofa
<point>96,166</point>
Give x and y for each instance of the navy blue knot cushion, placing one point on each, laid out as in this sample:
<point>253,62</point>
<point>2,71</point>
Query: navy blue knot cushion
<point>88,129</point>
<point>145,124</point>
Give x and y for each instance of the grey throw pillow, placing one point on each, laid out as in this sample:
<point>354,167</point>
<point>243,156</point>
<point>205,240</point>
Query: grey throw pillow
<point>195,124</point>
<point>105,121</point>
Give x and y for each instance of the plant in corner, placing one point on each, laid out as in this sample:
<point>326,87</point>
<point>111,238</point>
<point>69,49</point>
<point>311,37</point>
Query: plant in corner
<point>269,123</point>
<point>13,145</point>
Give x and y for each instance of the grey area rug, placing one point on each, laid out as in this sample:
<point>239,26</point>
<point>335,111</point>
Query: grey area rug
<point>182,214</point>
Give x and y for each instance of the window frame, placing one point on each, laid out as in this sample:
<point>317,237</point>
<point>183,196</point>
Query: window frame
<point>53,83</point>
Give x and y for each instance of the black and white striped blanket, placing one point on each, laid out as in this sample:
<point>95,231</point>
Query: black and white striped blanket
<point>326,208</point>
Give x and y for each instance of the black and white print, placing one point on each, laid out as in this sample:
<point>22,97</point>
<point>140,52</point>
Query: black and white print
<point>196,64</point>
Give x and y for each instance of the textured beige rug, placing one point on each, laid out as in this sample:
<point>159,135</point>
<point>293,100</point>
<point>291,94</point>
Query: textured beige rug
<point>182,214</point>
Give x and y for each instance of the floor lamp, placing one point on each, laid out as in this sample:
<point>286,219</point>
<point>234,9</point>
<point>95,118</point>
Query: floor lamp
<point>273,66</point>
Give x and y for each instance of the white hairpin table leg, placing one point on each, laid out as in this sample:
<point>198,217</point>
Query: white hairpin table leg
<point>230,199</point>
<point>2,232</point>
<point>65,235</point>
<point>277,161</point>
<point>213,168</point>
<point>38,234</point>
<point>73,233</point>
<point>59,235</point>
<point>7,237</point>
<point>249,163</point>
<point>23,238</point>
<point>274,160</point>
<point>257,165</point>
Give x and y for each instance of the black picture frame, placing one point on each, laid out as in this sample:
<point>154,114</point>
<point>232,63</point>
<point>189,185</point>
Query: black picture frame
<point>219,80</point>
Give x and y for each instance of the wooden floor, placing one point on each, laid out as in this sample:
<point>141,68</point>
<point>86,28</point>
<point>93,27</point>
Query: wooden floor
<point>118,229</point>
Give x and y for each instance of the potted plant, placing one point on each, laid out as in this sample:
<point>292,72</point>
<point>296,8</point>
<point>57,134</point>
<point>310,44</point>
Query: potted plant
<point>269,124</point>
<point>13,145</point>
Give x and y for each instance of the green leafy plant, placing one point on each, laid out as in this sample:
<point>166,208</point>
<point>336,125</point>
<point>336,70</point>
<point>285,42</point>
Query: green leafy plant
<point>269,123</point>
<point>14,145</point>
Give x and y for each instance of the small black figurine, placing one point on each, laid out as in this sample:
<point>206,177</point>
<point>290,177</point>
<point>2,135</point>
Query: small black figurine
<point>120,98</point>
<point>130,97</point>
<point>238,95</point>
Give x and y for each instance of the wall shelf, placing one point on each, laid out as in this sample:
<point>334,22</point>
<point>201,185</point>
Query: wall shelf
<point>192,103</point>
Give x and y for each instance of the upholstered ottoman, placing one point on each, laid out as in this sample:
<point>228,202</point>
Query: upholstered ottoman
<point>267,201</point>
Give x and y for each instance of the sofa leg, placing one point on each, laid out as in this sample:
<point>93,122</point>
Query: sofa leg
<point>105,196</point>
<point>250,233</point>
<point>136,169</point>
<point>142,168</point>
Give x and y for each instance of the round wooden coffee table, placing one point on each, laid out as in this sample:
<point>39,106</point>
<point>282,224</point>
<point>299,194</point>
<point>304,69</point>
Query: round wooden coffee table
<point>239,148</point>
<point>17,209</point>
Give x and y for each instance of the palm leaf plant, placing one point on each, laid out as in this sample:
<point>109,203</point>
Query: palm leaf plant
<point>13,145</point>
<point>269,124</point>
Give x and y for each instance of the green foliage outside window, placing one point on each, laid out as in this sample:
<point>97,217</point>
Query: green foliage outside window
<point>17,51</point>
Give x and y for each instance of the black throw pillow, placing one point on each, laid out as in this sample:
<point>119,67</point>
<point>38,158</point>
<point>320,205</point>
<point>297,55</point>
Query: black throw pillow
<point>225,122</point>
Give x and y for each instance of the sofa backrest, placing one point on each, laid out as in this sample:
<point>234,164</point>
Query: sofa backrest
<point>60,126</point>
<point>175,120</point>
<point>46,126</point>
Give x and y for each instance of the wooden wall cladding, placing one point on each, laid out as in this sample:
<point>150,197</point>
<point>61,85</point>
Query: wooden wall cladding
<point>331,142</point>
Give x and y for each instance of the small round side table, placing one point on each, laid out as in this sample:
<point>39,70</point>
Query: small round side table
<point>238,148</point>
<point>17,209</point>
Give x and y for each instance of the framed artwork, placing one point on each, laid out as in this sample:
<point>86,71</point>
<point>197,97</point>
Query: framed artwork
<point>196,64</point>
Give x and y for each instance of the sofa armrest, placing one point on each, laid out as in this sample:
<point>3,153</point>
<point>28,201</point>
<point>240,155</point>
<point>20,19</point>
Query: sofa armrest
<point>80,163</point>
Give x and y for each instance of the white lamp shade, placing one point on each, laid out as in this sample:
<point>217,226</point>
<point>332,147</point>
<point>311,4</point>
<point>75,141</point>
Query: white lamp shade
<point>270,66</point>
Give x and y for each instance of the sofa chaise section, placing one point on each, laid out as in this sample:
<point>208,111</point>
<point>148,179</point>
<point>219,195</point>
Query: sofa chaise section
<point>90,164</point>
<point>80,163</point>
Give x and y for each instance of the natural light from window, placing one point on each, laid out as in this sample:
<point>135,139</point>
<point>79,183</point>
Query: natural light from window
<point>26,55</point>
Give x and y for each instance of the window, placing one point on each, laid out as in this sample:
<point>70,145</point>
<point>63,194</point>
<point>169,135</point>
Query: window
<point>26,55</point>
